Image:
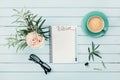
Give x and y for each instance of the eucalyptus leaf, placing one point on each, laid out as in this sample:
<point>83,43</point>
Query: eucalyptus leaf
<point>97,52</point>
<point>42,23</point>
<point>93,46</point>
<point>103,64</point>
<point>45,32</point>
<point>24,45</point>
<point>18,21</point>
<point>33,17</point>
<point>20,46</point>
<point>45,27</point>
<point>92,56</point>
<point>22,32</point>
<point>16,10</point>
<point>38,21</point>
<point>97,55</point>
<point>88,49</point>
<point>89,57</point>
<point>97,47</point>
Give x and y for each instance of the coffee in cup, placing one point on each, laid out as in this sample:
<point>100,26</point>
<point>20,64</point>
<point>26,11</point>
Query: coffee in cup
<point>95,24</point>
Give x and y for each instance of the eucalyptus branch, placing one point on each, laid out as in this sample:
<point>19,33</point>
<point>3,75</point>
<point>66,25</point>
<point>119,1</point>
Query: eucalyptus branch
<point>93,52</point>
<point>14,41</point>
<point>32,22</point>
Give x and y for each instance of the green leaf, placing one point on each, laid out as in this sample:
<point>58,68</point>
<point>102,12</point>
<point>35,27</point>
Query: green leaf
<point>18,22</point>
<point>93,46</point>
<point>97,52</point>
<point>97,47</point>
<point>41,23</point>
<point>92,56</point>
<point>97,55</point>
<point>12,41</point>
<point>44,32</point>
<point>22,45</point>
<point>16,10</point>
<point>44,27</point>
<point>38,21</point>
<point>27,12</point>
<point>88,49</point>
<point>22,32</point>
<point>31,24</point>
<point>11,38</point>
<point>89,57</point>
<point>34,17</point>
<point>103,64</point>
<point>18,48</point>
<point>17,19</point>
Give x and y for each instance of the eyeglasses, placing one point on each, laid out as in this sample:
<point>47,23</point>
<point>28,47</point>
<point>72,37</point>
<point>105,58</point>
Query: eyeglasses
<point>37,60</point>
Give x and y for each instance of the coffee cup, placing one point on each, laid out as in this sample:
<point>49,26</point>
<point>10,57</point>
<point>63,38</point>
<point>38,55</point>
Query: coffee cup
<point>95,24</point>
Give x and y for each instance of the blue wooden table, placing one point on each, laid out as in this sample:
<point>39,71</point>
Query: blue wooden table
<point>15,65</point>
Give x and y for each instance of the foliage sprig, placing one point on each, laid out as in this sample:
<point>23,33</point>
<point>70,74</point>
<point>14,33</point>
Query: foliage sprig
<point>32,23</point>
<point>93,52</point>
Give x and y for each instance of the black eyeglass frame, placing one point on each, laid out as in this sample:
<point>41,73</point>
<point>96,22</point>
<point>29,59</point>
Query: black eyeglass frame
<point>37,60</point>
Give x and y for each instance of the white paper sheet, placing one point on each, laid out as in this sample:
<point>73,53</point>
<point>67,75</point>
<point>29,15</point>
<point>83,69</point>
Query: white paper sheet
<point>63,40</point>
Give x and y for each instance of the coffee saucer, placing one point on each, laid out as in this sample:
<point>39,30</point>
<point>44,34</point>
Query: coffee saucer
<point>92,14</point>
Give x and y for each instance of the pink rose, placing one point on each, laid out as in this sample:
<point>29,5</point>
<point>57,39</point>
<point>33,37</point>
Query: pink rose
<point>34,40</point>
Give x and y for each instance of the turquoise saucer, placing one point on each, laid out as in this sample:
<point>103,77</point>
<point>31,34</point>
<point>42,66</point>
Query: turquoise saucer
<point>91,14</point>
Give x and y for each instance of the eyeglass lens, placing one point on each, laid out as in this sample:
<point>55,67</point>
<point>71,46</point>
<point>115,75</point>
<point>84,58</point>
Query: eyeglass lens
<point>36,59</point>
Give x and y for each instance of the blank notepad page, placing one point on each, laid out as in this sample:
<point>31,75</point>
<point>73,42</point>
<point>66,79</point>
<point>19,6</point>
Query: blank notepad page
<point>63,44</point>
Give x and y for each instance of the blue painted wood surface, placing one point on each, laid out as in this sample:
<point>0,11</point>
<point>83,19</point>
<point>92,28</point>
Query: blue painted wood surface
<point>15,65</point>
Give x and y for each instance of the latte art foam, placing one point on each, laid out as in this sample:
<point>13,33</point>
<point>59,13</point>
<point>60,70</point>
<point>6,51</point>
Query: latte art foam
<point>95,24</point>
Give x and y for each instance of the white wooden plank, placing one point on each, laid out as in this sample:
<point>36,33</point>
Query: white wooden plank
<point>22,58</point>
<point>74,12</point>
<point>59,3</point>
<point>81,49</point>
<point>12,30</point>
<point>103,40</point>
<point>59,67</point>
<point>5,50</point>
<point>22,76</point>
<point>5,31</point>
<point>4,41</point>
<point>108,58</point>
<point>82,58</point>
<point>58,20</point>
<point>60,76</point>
<point>103,48</point>
<point>115,31</point>
<point>49,20</point>
<point>81,40</point>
